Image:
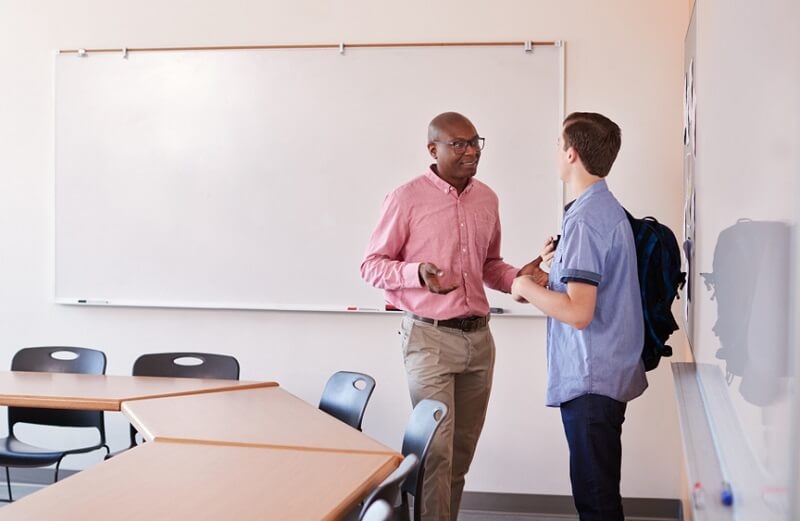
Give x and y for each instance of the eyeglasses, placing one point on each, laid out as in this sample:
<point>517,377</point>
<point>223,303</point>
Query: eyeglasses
<point>460,145</point>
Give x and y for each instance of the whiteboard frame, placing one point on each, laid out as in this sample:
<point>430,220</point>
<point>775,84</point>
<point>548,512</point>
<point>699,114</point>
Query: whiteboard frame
<point>529,46</point>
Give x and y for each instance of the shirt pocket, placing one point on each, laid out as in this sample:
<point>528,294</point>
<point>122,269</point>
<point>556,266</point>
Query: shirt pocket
<point>484,223</point>
<point>556,268</point>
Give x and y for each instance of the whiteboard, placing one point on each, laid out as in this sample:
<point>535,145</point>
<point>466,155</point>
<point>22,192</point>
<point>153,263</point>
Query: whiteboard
<point>744,305</point>
<point>252,179</point>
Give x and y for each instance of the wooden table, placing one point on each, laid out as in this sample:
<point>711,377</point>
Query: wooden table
<point>102,392</point>
<point>188,481</point>
<point>222,449</point>
<point>261,417</point>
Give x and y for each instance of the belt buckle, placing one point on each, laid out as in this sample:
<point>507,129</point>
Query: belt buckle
<point>470,324</point>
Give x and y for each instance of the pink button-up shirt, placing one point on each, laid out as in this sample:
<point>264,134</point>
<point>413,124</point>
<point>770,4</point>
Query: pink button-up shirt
<point>426,220</point>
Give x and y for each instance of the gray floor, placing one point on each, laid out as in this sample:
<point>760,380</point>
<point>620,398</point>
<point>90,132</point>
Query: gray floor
<point>22,490</point>
<point>19,491</point>
<point>502,516</point>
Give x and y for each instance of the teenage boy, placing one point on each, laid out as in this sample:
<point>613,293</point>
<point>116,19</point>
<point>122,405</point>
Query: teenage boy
<point>595,329</point>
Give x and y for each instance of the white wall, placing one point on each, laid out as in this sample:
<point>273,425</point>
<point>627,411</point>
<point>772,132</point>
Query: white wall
<point>624,58</point>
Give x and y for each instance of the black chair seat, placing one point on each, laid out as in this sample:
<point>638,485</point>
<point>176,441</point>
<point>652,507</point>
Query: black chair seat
<point>16,453</point>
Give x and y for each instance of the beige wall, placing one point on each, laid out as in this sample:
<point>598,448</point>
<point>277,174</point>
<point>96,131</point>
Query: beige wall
<point>624,58</point>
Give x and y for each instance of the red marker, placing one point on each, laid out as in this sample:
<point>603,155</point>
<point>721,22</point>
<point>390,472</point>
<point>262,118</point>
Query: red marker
<point>698,495</point>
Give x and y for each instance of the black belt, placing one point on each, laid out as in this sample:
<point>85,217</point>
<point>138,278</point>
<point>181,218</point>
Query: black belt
<point>464,324</point>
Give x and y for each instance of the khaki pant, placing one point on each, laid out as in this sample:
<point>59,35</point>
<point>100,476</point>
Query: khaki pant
<point>454,367</point>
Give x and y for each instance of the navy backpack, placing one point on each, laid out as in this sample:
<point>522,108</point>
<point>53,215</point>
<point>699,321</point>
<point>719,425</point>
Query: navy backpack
<point>660,277</point>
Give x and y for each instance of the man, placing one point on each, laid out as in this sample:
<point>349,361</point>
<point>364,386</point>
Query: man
<point>435,246</point>
<point>595,328</point>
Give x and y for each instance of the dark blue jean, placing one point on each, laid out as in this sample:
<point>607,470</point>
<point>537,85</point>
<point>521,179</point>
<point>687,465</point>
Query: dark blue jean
<point>593,425</point>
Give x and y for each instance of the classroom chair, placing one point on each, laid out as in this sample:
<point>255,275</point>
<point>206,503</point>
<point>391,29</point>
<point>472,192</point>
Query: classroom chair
<point>346,396</point>
<point>378,511</point>
<point>422,425</point>
<point>420,429</point>
<point>389,490</point>
<point>182,365</point>
<point>17,453</point>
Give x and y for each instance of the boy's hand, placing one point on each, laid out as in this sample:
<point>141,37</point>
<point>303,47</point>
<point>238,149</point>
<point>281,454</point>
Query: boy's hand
<point>548,252</point>
<point>550,248</point>
<point>516,288</point>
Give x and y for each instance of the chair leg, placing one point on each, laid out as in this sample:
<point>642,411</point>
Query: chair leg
<point>404,508</point>
<point>8,484</point>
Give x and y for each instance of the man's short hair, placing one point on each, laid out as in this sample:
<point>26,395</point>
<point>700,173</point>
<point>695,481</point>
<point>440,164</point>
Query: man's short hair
<point>596,139</point>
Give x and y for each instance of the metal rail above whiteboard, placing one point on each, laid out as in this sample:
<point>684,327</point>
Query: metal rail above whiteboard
<point>527,45</point>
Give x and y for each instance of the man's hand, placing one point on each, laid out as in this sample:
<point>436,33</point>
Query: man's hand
<point>429,277</point>
<point>535,272</point>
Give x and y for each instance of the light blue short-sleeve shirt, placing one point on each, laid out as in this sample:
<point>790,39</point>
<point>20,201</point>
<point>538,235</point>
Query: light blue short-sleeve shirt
<point>597,247</point>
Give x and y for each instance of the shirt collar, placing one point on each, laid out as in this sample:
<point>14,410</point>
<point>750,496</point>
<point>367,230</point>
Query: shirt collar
<point>596,188</point>
<point>441,184</point>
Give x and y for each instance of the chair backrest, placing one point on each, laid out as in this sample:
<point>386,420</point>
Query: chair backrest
<point>422,425</point>
<point>346,395</point>
<point>389,490</point>
<point>184,365</point>
<point>187,365</point>
<point>58,359</point>
<point>378,511</point>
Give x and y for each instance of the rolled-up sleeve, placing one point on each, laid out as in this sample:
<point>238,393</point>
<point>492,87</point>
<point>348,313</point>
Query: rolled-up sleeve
<point>583,253</point>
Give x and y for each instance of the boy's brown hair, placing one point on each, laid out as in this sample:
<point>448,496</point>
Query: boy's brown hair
<point>596,138</point>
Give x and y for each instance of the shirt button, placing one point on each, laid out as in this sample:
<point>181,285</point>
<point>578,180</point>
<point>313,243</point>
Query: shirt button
<point>464,250</point>
<point>462,225</point>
